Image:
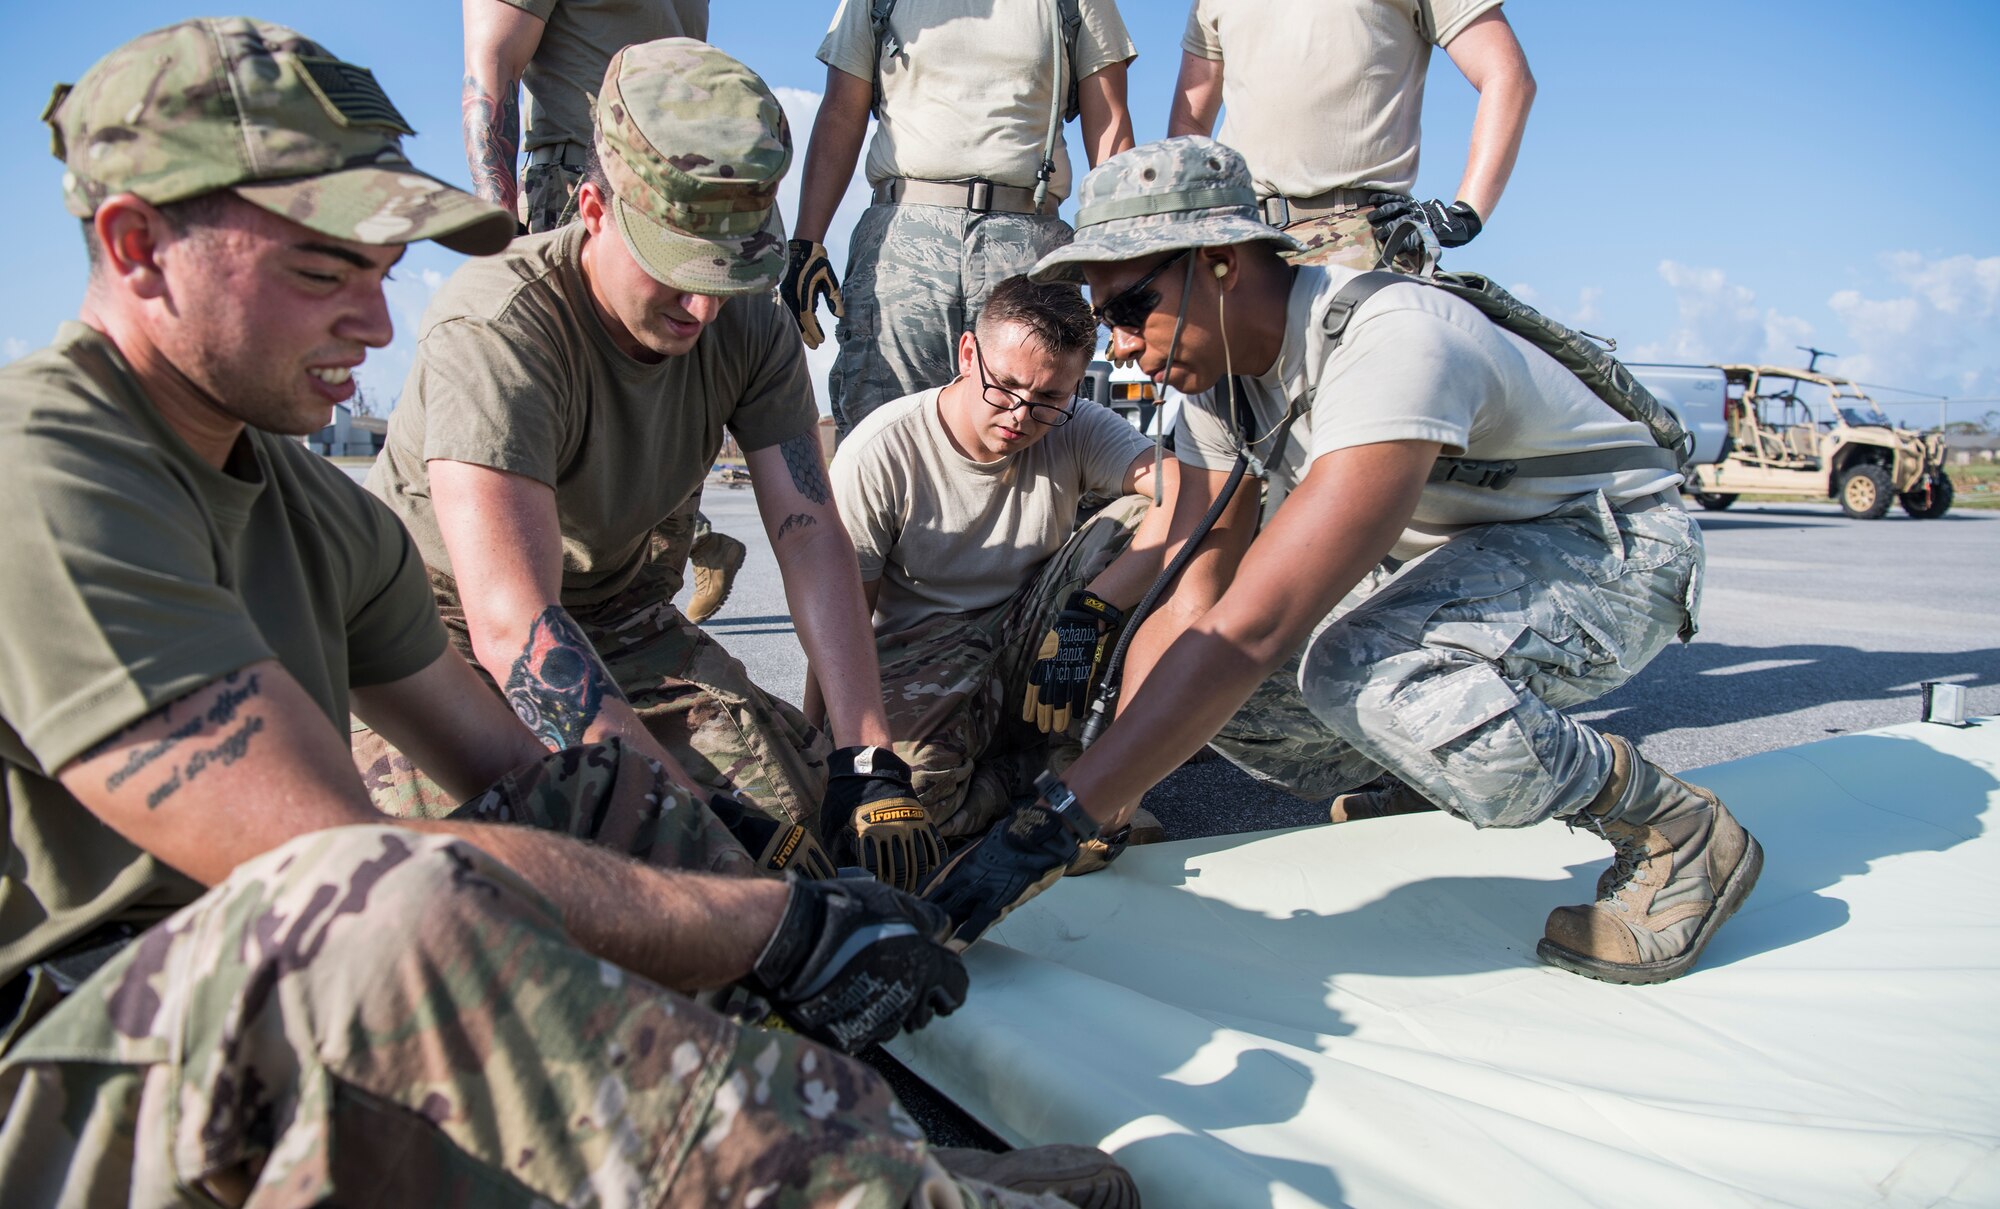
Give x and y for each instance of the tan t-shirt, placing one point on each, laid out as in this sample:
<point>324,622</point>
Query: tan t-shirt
<point>1420,365</point>
<point>1325,94</point>
<point>968,94</point>
<point>946,534</point>
<point>581,36</point>
<point>515,371</point>
<point>136,573</point>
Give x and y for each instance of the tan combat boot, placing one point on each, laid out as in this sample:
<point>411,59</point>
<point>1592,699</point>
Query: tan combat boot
<point>1082,1175</point>
<point>1378,799</point>
<point>1682,867</point>
<point>716,559</point>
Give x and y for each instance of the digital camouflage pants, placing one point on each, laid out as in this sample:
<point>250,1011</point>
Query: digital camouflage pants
<point>694,697</point>
<point>917,276</point>
<point>1453,673</point>
<point>953,685</point>
<point>375,1016</point>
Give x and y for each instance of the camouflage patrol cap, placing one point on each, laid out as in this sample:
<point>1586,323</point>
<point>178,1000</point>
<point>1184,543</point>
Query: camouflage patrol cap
<point>233,103</point>
<point>1186,192</point>
<point>694,145</point>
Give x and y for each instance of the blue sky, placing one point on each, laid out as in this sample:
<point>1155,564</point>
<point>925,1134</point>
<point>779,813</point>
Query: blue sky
<point>1701,180</point>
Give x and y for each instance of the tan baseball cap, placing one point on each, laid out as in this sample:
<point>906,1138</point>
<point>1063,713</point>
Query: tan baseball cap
<point>233,103</point>
<point>694,144</point>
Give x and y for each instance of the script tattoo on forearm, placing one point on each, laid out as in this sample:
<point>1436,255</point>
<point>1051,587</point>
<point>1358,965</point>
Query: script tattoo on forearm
<point>797,520</point>
<point>558,685</point>
<point>222,710</point>
<point>492,137</point>
<point>802,459</point>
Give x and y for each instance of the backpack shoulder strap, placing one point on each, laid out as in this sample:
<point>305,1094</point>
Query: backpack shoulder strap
<point>886,45</point>
<point>1070,12</point>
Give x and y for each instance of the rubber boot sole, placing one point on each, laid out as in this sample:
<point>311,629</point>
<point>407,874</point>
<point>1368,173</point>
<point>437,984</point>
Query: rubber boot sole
<point>1741,881</point>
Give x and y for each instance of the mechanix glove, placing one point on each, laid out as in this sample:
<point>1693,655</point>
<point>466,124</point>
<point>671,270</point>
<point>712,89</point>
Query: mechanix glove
<point>777,847</point>
<point>1454,225</point>
<point>1072,651</point>
<point>808,278</point>
<point>873,818</point>
<point>1019,858</point>
<point>854,962</point>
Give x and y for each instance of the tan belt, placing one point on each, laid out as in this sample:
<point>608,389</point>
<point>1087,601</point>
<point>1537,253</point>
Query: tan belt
<point>569,155</point>
<point>979,196</point>
<point>1646,503</point>
<point>1284,211</point>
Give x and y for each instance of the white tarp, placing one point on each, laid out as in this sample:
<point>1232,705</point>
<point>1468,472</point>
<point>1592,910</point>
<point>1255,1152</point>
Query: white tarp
<point>1355,1014</point>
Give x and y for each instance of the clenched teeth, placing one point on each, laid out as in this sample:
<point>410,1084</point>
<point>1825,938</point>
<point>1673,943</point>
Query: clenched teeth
<point>334,376</point>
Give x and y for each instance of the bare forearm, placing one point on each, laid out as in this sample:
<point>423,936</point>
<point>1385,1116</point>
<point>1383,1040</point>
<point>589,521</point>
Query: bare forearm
<point>1107,122</point>
<point>1497,128</point>
<point>823,590</point>
<point>838,132</point>
<point>1197,97</point>
<point>491,115</point>
<point>1125,581</point>
<point>686,931</point>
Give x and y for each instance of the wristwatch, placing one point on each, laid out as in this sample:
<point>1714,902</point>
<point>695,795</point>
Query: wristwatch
<point>1065,807</point>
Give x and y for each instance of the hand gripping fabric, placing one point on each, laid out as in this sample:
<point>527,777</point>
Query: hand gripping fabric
<point>1454,225</point>
<point>779,847</point>
<point>809,278</point>
<point>854,962</point>
<point>873,818</point>
<point>1018,859</point>
<point>1070,656</point>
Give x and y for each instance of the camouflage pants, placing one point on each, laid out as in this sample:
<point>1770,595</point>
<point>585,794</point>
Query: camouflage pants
<point>370,1015</point>
<point>953,685</point>
<point>917,276</point>
<point>1453,674</point>
<point>692,695</point>
<point>1343,238</point>
<point>548,196</point>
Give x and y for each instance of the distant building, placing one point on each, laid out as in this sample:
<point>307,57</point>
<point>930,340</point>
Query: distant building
<point>1965,448</point>
<point>350,436</point>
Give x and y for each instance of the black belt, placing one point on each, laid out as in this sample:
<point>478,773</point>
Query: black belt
<point>69,966</point>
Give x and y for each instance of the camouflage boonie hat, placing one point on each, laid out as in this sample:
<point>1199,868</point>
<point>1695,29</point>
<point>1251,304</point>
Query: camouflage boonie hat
<point>232,103</point>
<point>694,145</point>
<point>1186,192</point>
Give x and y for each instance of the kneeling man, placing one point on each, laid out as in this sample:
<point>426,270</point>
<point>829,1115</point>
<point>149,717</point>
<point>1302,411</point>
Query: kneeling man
<point>993,610</point>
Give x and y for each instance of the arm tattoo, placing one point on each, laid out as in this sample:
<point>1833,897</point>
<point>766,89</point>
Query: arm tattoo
<point>492,137</point>
<point>237,690</point>
<point>797,520</point>
<point>558,685</point>
<point>808,470</point>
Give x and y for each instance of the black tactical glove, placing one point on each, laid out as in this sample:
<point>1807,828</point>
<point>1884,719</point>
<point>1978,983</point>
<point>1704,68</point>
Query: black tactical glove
<point>808,278</point>
<point>1072,651</point>
<point>872,817</point>
<point>777,846</point>
<point>854,962</point>
<point>1454,225</point>
<point>1018,859</point>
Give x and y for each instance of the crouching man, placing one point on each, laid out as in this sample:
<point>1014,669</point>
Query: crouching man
<point>1514,601</point>
<point>477,1010</point>
<point>993,610</point>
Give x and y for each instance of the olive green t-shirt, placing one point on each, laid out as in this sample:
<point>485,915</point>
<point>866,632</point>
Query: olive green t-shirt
<point>580,37</point>
<point>137,573</point>
<point>968,93</point>
<point>515,371</point>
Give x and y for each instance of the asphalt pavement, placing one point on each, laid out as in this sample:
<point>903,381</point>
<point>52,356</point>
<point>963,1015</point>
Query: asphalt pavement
<point>1812,624</point>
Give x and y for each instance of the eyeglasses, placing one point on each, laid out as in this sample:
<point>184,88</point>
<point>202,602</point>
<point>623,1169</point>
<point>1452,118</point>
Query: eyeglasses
<point>1045,413</point>
<point>1129,307</point>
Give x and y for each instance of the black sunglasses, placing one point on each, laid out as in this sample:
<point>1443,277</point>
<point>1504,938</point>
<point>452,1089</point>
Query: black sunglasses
<point>1129,307</point>
<point>1045,413</point>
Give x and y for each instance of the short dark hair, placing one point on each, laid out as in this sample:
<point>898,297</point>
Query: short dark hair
<point>593,169</point>
<point>202,210</point>
<point>1055,315</point>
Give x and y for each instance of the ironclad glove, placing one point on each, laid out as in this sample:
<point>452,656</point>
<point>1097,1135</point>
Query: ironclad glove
<point>1072,651</point>
<point>854,962</point>
<point>809,278</point>
<point>873,816</point>
<point>1018,859</point>
<point>777,846</point>
<point>1454,225</point>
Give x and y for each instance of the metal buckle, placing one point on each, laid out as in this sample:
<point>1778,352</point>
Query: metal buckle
<point>1277,212</point>
<point>979,196</point>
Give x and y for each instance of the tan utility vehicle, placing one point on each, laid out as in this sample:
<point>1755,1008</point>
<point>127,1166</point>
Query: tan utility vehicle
<point>1794,432</point>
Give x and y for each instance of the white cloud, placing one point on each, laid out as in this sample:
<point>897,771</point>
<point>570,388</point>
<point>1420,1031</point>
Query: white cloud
<point>1720,321</point>
<point>801,108</point>
<point>12,349</point>
<point>1941,333</point>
